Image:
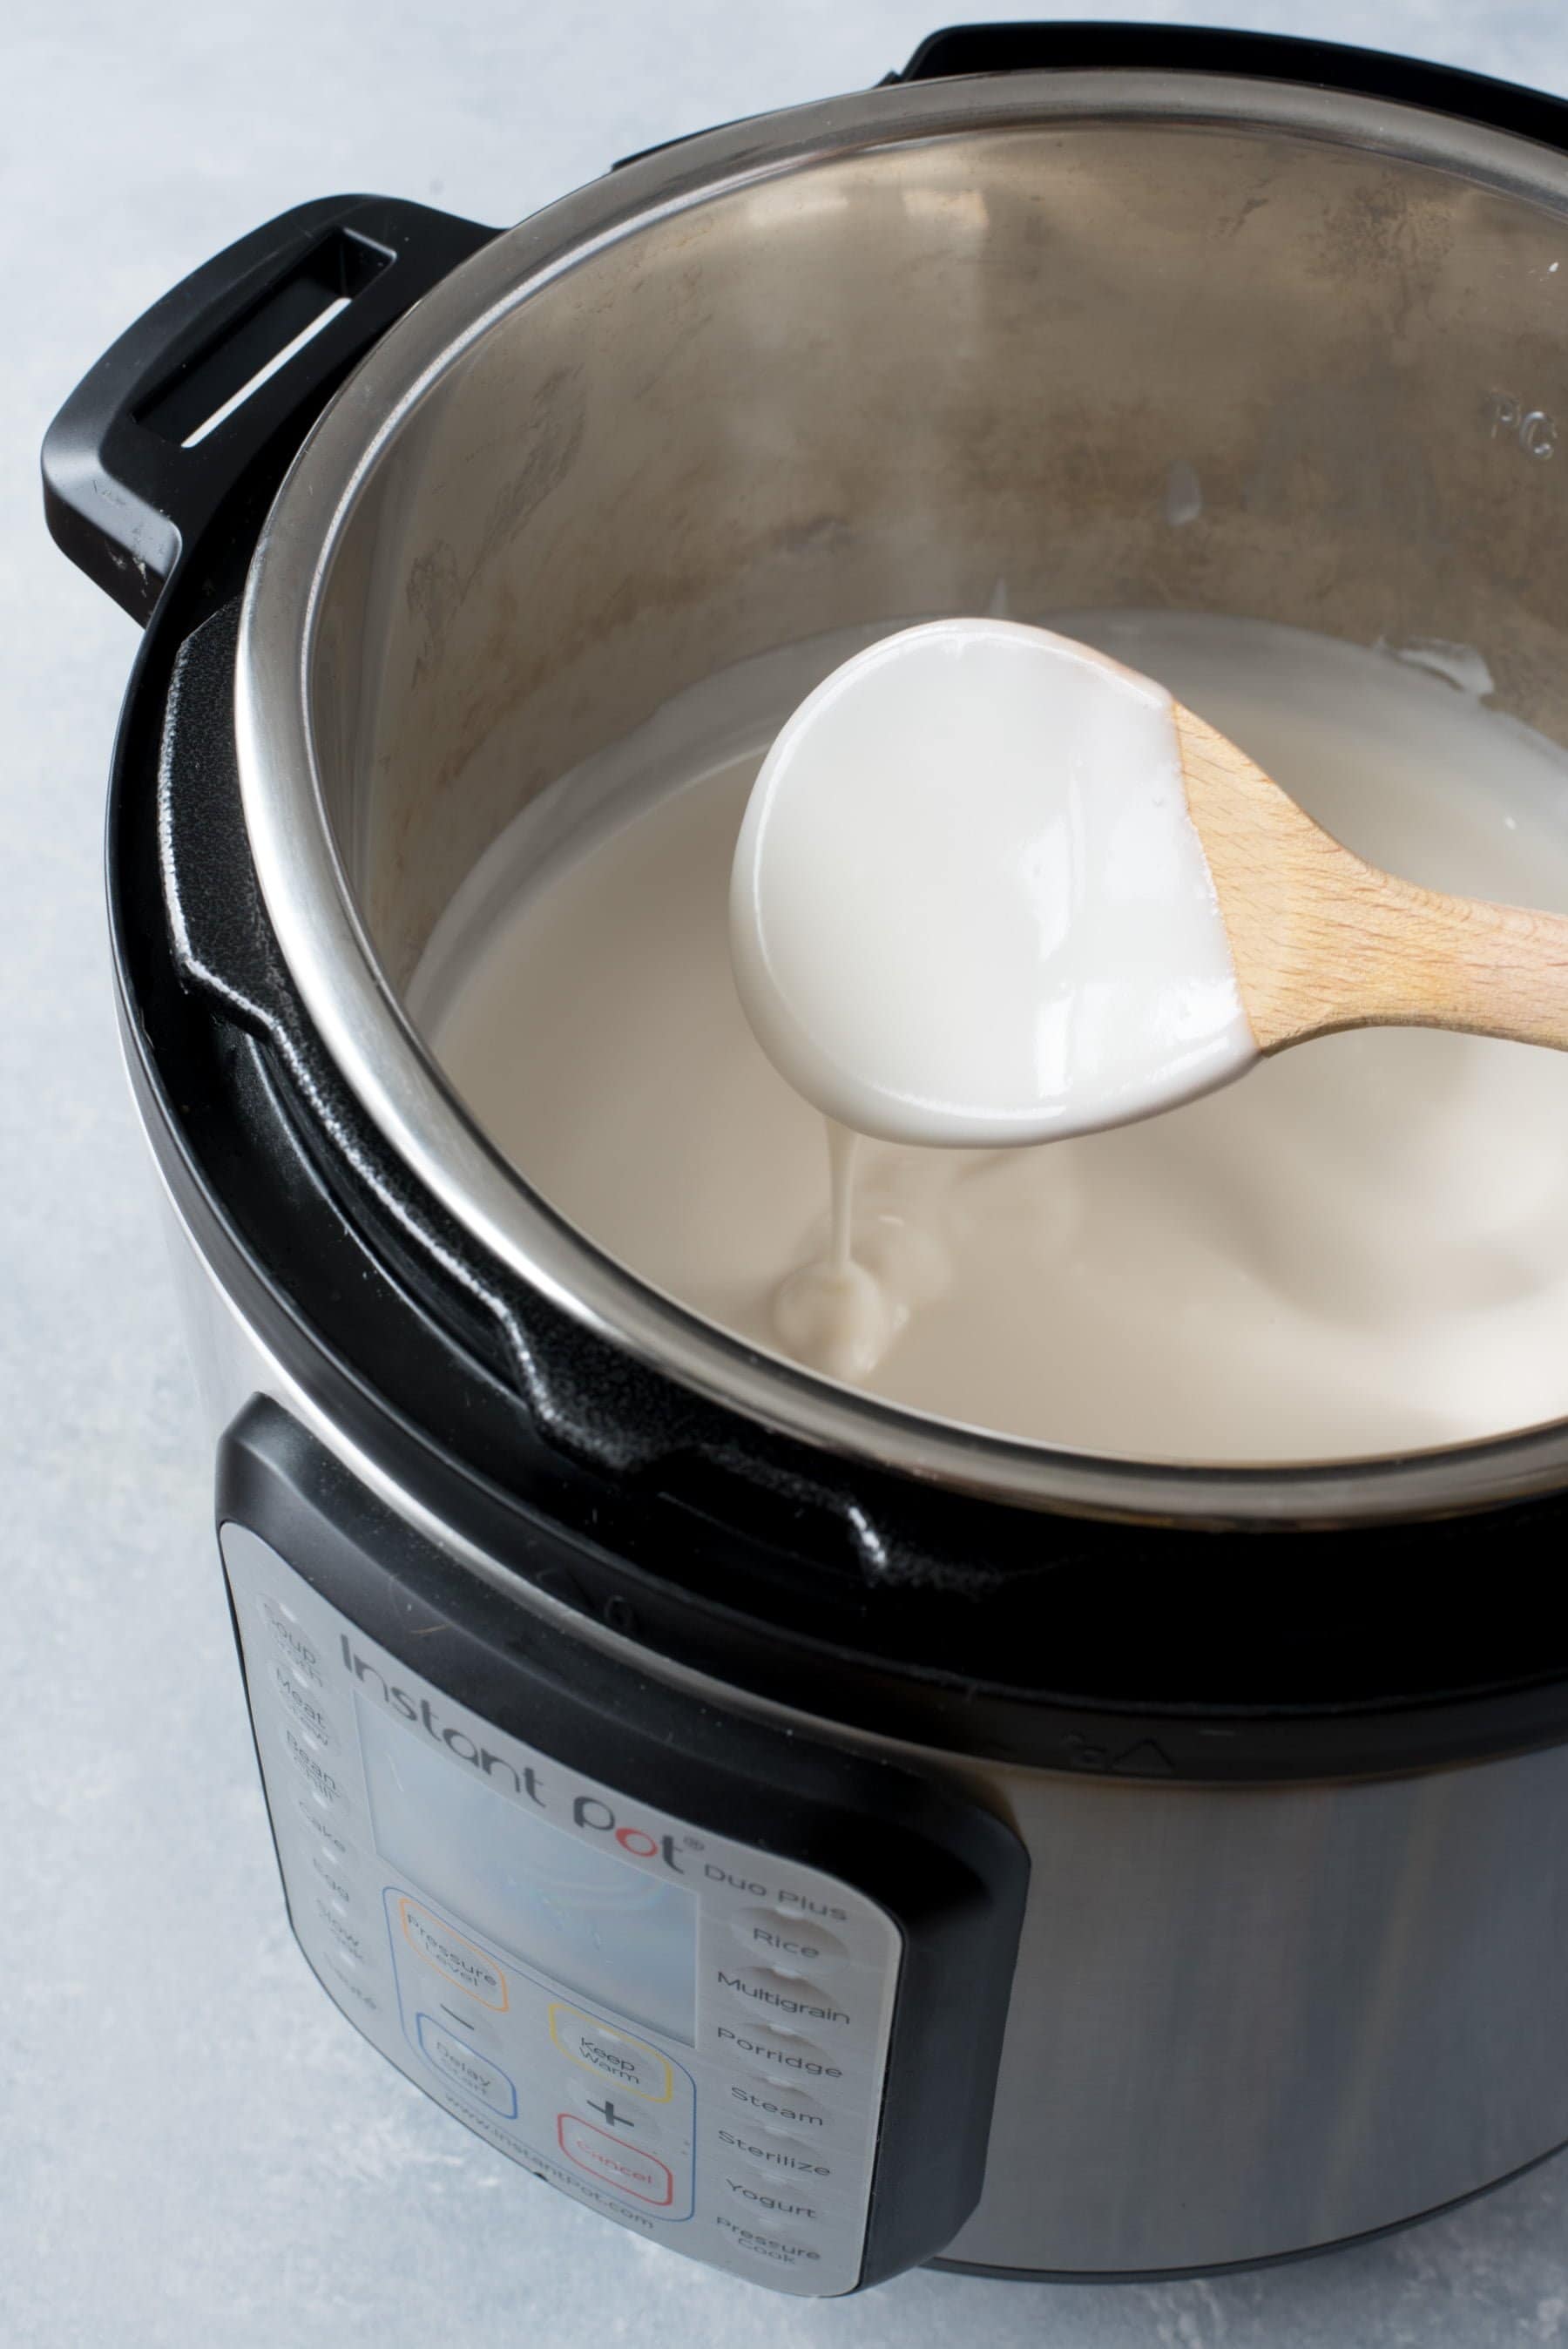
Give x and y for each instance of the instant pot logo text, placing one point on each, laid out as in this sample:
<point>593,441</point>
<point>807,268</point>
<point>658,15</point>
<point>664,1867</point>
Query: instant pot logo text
<point>590,1813</point>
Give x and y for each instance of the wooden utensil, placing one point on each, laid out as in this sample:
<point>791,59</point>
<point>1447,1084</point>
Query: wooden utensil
<point>1323,941</point>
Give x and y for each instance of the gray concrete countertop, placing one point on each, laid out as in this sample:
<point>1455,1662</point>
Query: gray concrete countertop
<point>193,2149</point>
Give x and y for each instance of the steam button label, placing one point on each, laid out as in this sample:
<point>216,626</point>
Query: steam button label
<point>452,1955</point>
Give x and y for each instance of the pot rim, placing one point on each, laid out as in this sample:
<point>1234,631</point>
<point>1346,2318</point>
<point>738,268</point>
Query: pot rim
<point>365,1030</point>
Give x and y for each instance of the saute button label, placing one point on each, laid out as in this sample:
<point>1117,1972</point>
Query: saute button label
<point>452,1955</point>
<point>614,2162</point>
<point>621,2059</point>
<point>474,2074</point>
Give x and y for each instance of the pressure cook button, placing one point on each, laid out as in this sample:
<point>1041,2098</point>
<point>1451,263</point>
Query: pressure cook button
<point>793,2002</point>
<point>776,2052</point>
<point>612,2054</point>
<point>786,1940</point>
<point>452,1954</point>
<point>299,1698</point>
<point>289,1635</point>
<point>446,2052</point>
<point>762,2246</point>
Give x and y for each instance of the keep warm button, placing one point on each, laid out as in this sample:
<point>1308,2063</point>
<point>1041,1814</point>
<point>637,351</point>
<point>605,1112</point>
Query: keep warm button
<point>612,2054</point>
<point>614,2162</point>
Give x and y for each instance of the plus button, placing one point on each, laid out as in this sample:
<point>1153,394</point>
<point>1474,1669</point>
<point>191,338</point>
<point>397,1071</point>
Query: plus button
<point>613,2118</point>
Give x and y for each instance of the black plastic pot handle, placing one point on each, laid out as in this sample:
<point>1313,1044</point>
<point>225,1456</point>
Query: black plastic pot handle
<point>1035,46</point>
<point>140,462</point>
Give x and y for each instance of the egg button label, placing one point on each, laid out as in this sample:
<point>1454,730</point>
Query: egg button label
<point>453,1956</point>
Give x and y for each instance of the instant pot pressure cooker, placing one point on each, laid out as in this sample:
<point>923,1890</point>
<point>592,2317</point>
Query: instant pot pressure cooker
<point>819,1838</point>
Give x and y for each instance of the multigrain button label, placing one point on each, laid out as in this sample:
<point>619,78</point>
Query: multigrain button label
<point>766,1989</point>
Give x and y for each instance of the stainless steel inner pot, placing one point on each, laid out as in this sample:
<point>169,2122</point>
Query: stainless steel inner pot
<point>850,365</point>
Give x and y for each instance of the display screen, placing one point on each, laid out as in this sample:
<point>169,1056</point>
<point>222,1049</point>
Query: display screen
<point>619,1935</point>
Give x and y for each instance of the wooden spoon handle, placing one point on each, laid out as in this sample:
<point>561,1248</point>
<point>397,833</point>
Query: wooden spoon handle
<point>1321,940</point>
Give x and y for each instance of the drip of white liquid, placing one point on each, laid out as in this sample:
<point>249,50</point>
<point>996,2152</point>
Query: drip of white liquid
<point>832,1313</point>
<point>1360,1249</point>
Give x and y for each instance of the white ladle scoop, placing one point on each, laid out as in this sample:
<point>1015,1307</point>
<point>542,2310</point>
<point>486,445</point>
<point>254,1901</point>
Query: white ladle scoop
<point>991,888</point>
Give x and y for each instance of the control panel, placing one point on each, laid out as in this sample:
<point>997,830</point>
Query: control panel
<point>674,2026</point>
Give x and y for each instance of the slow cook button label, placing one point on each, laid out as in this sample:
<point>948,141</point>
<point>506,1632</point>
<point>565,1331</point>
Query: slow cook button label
<point>769,1993</point>
<point>453,1956</point>
<point>627,2168</point>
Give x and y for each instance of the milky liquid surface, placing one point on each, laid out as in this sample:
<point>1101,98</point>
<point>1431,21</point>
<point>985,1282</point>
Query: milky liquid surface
<point>1361,1248</point>
<point>968,902</point>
